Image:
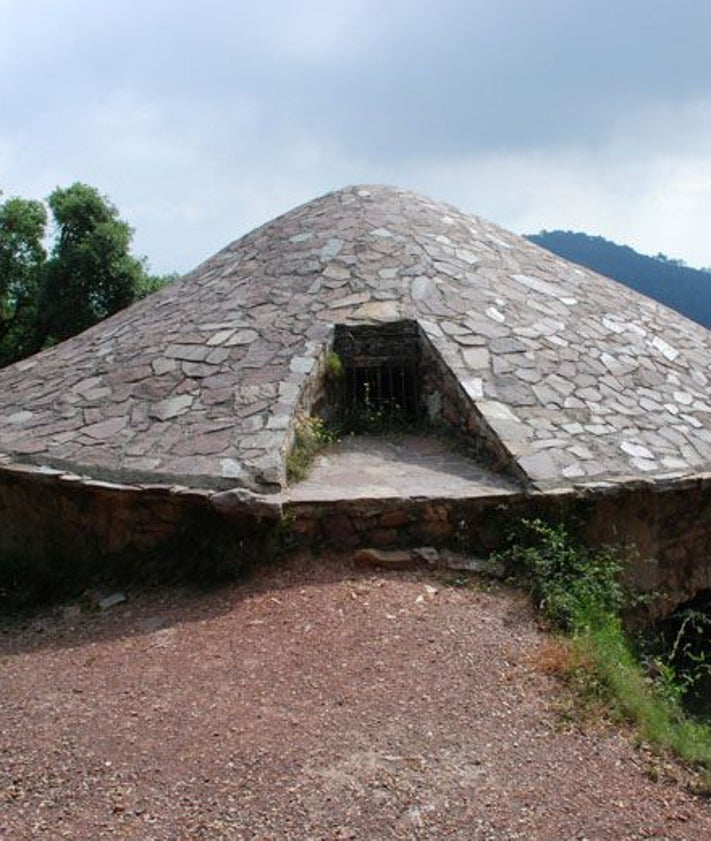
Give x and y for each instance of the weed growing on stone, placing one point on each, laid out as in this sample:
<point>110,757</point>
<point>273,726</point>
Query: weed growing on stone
<point>578,592</point>
<point>312,435</point>
<point>334,369</point>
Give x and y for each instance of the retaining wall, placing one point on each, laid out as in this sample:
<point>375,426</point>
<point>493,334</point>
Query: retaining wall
<point>665,528</point>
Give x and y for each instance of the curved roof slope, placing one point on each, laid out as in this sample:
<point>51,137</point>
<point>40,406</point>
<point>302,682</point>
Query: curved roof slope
<point>581,378</point>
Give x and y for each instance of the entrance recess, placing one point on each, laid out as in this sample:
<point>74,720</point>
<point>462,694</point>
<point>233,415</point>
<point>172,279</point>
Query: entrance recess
<point>381,368</point>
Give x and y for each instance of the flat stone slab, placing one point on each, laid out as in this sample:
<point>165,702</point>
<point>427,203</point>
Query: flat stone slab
<point>396,467</point>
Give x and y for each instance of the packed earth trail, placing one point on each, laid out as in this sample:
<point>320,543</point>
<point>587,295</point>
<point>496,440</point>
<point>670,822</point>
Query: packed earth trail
<point>315,701</point>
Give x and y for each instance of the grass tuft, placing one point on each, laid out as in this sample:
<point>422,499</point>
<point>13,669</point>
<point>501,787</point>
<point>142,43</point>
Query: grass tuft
<point>311,437</point>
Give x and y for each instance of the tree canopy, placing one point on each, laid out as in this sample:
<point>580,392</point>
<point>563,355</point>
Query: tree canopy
<point>22,258</point>
<point>88,275</point>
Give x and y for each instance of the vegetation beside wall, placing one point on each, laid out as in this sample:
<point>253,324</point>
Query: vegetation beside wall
<point>579,593</point>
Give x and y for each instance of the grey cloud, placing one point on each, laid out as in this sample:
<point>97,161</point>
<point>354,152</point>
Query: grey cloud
<point>166,104</point>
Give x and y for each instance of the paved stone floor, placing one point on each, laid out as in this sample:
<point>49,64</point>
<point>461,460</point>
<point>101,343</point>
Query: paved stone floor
<point>396,466</point>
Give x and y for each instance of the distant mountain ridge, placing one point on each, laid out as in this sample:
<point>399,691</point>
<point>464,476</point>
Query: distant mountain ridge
<point>668,281</point>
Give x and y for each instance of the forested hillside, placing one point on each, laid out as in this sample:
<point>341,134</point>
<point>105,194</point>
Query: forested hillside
<point>669,281</point>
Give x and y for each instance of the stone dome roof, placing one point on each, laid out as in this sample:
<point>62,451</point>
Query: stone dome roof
<point>578,378</point>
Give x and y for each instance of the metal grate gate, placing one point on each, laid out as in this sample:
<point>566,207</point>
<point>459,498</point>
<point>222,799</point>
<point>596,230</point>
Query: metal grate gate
<point>381,371</point>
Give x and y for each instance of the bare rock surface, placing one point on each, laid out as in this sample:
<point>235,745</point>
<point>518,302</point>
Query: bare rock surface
<point>317,701</point>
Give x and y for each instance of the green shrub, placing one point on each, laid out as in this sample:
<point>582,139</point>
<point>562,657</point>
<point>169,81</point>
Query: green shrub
<point>572,585</point>
<point>677,651</point>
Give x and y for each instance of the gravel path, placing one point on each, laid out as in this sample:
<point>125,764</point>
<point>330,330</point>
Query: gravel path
<point>314,702</point>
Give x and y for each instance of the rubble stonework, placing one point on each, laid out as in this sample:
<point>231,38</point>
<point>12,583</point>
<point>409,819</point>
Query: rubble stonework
<point>572,385</point>
<point>579,378</point>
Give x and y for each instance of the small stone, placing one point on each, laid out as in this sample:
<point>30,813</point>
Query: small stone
<point>171,407</point>
<point>394,519</point>
<point>421,287</point>
<point>111,601</point>
<point>231,469</point>
<point>428,554</point>
<point>20,417</point>
<point>105,429</point>
<point>667,351</point>
<point>474,388</point>
<point>476,357</point>
<point>238,502</point>
<point>573,428</point>
<point>539,465</point>
<point>391,559</point>
<point>636,450</point>
<point>504,344</point>
<point>188,353</point>
<point>467,256</point>
<point>349,301</point>
<point>220,337</point>
<point>242,337</point>
<point>684,398</point>
<point>581,451</point>
<point>302,364</point>
<point>692,421</point>
<point>335,272</point>
<point>495,315</point>
<point>470,563</point>
<point>162,366</point>
<point>643,464</point>
<point>379,311</point>
<point>573,471</point>
<point>331,249</point>
<point>278,422</point>
<point>537,285</point>
<point>494,410</point>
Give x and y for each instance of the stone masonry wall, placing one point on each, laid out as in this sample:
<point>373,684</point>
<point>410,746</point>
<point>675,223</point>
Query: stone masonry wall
<point>662,531</point>
<point>443,396</point>
<point>47,517</point>
<point>665,529</point>
<point>449,403</point>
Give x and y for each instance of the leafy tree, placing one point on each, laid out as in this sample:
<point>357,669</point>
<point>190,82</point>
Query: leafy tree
<point>22,257</point>
<point>91,273</point>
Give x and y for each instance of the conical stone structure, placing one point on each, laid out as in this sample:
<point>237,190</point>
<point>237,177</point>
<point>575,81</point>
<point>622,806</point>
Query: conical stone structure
<point>567,378</point>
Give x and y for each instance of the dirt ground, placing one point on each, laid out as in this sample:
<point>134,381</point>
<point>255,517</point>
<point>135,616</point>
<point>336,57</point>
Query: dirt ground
<point>315,701</point>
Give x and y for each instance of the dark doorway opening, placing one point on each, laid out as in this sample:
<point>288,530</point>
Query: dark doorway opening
<point>381,376</point>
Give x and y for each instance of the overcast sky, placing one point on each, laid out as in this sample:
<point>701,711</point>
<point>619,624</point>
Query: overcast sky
<point>204,119</point>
